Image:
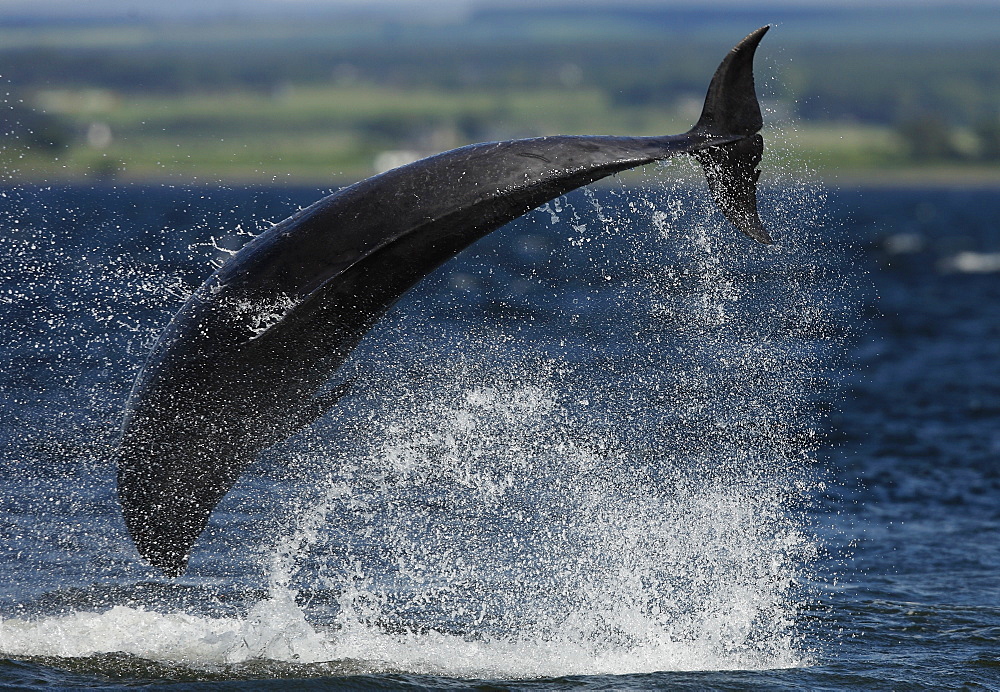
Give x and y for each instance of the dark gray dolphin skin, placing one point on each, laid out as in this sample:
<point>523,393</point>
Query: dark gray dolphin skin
<point>247,360</point>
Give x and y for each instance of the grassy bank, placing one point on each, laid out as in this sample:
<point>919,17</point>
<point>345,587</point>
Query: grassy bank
<point>334,134</point>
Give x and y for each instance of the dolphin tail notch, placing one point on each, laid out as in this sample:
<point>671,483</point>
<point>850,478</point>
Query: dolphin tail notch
<point>731,110</point>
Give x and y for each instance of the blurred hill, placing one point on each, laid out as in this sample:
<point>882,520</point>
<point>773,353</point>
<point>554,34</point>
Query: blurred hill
<point>330,96</point>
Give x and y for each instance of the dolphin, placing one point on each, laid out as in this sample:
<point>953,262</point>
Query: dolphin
<point>247,361</point>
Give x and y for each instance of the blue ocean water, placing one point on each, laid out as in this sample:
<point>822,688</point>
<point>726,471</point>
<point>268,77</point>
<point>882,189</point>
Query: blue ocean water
<point>613,446</point>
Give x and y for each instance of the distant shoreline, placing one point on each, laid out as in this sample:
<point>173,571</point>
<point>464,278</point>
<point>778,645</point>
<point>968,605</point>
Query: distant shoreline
<point>909,178</point>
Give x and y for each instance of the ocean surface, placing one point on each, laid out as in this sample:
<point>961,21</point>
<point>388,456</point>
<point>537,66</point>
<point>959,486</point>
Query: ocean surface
<point>616,445</point>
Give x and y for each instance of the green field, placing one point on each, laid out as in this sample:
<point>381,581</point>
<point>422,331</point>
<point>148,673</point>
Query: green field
<point>309,133</point>
<point>330,135</point>
<point>333,100</point>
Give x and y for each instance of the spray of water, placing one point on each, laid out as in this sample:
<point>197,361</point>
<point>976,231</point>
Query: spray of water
<point>607,485</point>
<point>630,510</point>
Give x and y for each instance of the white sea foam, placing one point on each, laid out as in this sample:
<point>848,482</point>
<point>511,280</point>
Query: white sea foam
<point>971,263</point>
<point>276,630</point>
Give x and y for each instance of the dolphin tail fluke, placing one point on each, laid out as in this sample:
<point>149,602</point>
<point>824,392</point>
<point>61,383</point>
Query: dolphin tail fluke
<point>731,110</point>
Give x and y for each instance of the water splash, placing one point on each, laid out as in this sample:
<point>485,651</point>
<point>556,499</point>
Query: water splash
<point>631,509</point>
<point>598,474</point>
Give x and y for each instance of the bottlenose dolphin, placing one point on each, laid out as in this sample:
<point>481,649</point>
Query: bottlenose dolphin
<point>247,361</point>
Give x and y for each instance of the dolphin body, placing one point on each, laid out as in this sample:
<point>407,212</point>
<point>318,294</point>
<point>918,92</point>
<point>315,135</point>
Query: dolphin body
<point>247,361</point>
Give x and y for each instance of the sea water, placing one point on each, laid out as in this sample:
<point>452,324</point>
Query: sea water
<point>616,444</point>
